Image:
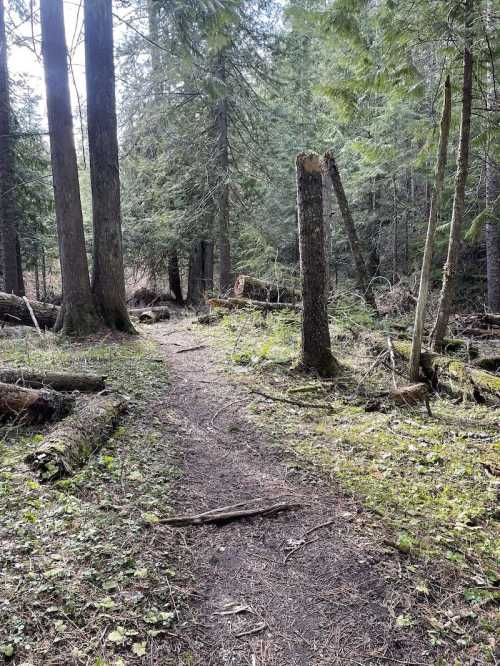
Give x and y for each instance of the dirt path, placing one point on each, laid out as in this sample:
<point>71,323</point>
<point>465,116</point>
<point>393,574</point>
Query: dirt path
<point>334,601</point>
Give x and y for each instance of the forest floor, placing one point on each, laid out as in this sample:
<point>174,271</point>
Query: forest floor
<point>403,573</point>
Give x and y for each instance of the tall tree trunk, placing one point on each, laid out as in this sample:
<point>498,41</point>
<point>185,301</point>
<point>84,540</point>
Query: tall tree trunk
<point>174,277</point>
<point>362,279</point>
<point>108,281</point>
<point>78,312</point>
<point>154,36</point>
<point>19,264</point>
<point>221,128</point>
<point>208,265</point>
<point>316,347</point>
<point>195,277</point>
<point>44,276</point>
<point>395,238</point>
<point>492,182</point>
<point>450,270</point>
<point>327,215</point>
<point>8,235</point>
<point>425,274</point>
<point>37,278</point>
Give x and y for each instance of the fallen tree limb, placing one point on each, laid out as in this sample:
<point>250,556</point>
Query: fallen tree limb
<point>73,441</point>
<point>210,318</point>
<point>14,310</point>
<point>247,286</point>
<point>298,403</point>
<point>30,405</point>
<point>58,381</point>
<point>190,349</point>
<point>205,518</point>
<point>238,303</point>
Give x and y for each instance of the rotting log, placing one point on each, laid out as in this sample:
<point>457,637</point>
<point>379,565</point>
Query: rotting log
<point>238,303</point>
<point>210,318</point>
<point>491,363</point>
<point>76,438</point>
<point>453,376</point>
<point>58,381</point>
<point>411,394</point>
<point>457,344</point>
<point>247,286</point>
<point>32,406</point>
<point>150,315</point>
<point>13,310</point>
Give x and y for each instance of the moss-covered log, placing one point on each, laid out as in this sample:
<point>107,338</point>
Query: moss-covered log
<point>58,381</point>
<point>491,363</point>
<point>454,376</point>
<point>73,441</point>
<point>238,303</point>
<point>14,310</point>
<point>247,286</point>
<point>30,405</point>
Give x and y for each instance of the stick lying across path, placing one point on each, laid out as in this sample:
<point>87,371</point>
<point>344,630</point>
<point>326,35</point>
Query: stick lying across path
<point>226,516</point>
<point>298,403</point>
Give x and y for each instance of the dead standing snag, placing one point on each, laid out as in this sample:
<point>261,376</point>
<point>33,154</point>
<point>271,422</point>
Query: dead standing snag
<point>316,349</point>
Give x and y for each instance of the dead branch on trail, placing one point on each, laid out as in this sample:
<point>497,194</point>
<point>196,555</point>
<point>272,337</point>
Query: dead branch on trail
<point>190,349</point>
<point>224,407</point>
<point>297,403</point>
<point>319,527</point>
<point>257,629</point>
<point>58,381</point>
<point>300,545</point>
<point>226,516</point>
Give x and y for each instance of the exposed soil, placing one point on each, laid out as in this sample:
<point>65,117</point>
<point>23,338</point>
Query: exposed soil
<point>335,600</point>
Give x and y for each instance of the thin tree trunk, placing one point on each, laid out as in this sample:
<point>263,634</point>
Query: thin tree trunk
<point>451,266</point>
<point>108,280</point>
<point>221,128</point>
<point>492,184</point>
<point>195,278</point>
<point>78,312</point>
<point>362,279</point>
<point>425,274</point>
<point>394,233</point>
<point>37,278</point>
<point>327,214</point>
<point>174,277</point>
<point>154,35</point>
<point>8,211</point>
<point>316,347</point>
<point>208,265</point>
<point>19,265</point>
<point>44,276</point>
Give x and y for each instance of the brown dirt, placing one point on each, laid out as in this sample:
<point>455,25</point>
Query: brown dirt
<point>336,599</point>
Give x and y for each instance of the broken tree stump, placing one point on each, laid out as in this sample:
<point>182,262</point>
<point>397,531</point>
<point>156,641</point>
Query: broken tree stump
<point>32,406</point>
<point>58,381</point>
<point>77,437</point>
<point>13,310</point>
<point>247,286</point>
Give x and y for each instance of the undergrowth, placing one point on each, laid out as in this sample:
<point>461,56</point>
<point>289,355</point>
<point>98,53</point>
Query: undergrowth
<point>82,582</point>
<point>430,479</point>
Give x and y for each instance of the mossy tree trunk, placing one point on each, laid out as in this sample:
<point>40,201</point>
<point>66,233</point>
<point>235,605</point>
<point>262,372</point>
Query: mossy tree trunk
<point>78,315</point>
<point>425,275</point>
<point>108,280</point>
<point>451,267</point>
<point>316,346</point>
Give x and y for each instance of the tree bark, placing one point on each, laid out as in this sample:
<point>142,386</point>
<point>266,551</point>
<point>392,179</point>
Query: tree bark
<point>451,267</point>
<point>425,274</point>
<point>492,181</point>
<point>14,311</point>
<point>174,277</point>
<point>195,278</point>
<point>221,128</point>
<point>316,346</point>
<point>58,381</point>
<point>31,406</point>
<point>362,279</point>
<point>78,315</point>
<point>327,216</point>
<point>73,441</point>
<point>12,275</point>
<point>108,280</point>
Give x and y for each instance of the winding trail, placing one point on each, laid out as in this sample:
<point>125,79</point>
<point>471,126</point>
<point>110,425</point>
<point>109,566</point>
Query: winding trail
<point>333,602</point>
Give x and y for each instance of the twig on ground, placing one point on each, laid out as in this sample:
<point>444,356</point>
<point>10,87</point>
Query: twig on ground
<point>298,403</point>
<point>318,527</point>
<point>190,349</point>
<point>395,661</point>
<point>301,545</point>
<point>257,629</point>
<point>203,519</point>
<point>32,315</point>
<point>230,507</point>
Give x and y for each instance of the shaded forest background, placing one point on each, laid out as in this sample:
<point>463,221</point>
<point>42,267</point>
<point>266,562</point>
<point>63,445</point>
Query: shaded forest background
<point>216,98</point>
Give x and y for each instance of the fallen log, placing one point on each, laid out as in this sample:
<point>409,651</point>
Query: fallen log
<point>226,516</point>
<point>454,376</point>
<point>14,310</point>
<point>259,290</point>
<point>238,303</point>
<point>32,406</point>
<point>150,315</point>
<point>77,437</point>
<point>457,344</point>
<point>58,381</point>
